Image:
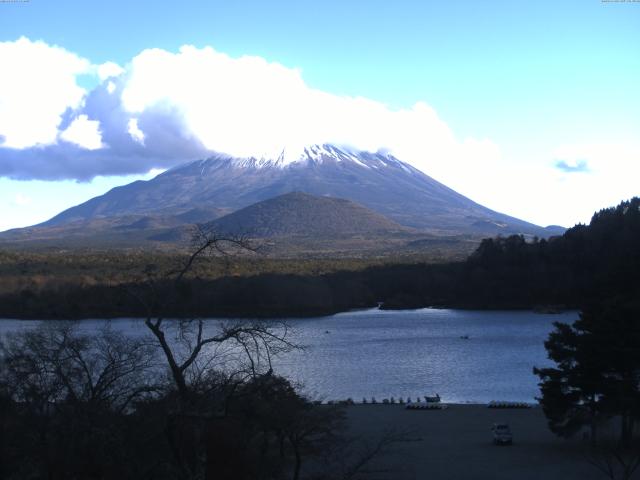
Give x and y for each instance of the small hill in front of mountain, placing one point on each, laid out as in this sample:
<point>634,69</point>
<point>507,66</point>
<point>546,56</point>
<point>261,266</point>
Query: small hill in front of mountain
<point>303,215</point>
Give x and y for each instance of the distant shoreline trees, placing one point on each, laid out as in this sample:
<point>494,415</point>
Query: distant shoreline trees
<point>600,261</point>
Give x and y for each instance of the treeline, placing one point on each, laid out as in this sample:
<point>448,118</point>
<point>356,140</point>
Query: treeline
<point>587,262</point>
<point>594,381</point>
<point>37,270</point>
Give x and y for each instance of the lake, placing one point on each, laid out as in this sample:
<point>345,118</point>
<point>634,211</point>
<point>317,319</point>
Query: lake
<point>382,354</point>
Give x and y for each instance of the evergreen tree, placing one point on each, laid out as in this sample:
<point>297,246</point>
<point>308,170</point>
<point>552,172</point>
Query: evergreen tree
<point>597,373</point>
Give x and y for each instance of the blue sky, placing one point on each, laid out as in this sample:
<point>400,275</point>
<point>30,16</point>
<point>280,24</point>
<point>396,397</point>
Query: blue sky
<point>520,87</point>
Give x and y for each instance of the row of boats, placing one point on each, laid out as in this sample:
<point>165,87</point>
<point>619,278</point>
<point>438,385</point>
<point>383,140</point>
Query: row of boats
<point>429,403</point>
<point>389,401</point>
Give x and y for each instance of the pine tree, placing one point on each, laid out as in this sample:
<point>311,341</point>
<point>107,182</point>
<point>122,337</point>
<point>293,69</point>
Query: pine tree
<point>597,373</point>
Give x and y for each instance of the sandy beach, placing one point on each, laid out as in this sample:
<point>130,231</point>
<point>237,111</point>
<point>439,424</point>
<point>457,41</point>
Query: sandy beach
<point>456,443</point>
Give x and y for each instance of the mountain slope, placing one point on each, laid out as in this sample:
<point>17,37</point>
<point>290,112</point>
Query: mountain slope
<point>377,181</point>
<point>301,214</point>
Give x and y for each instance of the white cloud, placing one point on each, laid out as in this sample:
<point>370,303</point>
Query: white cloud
<point>614,170</point>
<point>542,193</point>
<point>250,107</point>
<point>165,108</point>
<point>171,106</point>
<point>22,200</point>
<point>134,131</point>
<point>154,172</point>
<point>37,85</point>
<point>84,133</point>
<point>603,157</point>
<point>108,70</point>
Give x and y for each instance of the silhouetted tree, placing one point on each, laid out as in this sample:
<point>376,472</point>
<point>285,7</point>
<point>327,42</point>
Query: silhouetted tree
<point>68,393</point>
<point>597,373</point>
<point>572,391</point>
<point>193,349</point>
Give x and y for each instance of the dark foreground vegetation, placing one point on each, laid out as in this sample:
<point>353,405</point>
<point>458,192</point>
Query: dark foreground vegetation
<point>593,389</point>
<point>105,406</point>
<point>187,400</point>
<point>191,400</point>
<point>599,260</point>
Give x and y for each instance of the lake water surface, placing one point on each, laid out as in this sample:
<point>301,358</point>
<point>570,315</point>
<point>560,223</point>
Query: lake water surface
<point>406,353</point>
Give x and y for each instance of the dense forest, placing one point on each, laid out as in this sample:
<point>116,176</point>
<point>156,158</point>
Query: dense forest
<point>589,262</point>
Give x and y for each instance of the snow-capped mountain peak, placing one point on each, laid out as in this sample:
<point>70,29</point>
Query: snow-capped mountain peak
<point>376,180</point>
<point>315,154</point>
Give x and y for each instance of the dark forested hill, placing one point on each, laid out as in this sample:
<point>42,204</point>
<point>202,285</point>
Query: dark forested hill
<point>300,214</point>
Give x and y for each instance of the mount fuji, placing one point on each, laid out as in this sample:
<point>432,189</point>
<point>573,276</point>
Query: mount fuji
<point>204,190</point>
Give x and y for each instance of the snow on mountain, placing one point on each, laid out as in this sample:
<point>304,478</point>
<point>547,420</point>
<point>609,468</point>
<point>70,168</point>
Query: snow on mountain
<point>315,154</point>
<point>376,180</point>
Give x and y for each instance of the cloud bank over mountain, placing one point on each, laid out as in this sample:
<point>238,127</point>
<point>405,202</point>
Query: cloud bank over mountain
<point>163,108</point>
<point>64,117</point>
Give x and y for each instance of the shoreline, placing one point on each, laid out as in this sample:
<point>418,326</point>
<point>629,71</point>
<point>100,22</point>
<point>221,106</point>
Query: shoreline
<point>457,443</point>
<point>530,404</point>
<point>295,316</point>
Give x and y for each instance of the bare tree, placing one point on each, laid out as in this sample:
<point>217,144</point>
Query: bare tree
<point>196,350</point>
<point>187,342</point>
<point>56,363</point>
<point>70,393</point>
